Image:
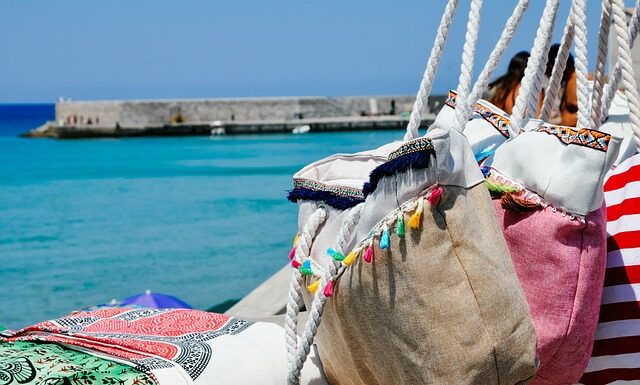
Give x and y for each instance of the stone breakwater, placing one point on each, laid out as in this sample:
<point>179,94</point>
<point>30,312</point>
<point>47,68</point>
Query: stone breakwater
<point>81,119</point>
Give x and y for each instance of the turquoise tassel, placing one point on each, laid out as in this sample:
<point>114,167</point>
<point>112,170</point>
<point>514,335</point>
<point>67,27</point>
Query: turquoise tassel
<point>384,239</point>
<point>306,268</point>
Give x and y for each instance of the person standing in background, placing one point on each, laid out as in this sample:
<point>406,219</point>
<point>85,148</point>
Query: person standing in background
<point>504,90</point>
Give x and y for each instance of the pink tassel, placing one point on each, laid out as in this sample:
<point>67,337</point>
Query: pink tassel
<point>328,290</point>
<point>368,255</point>
<point>292,253</point>
<point>435,195</point>
<point>295,264</point>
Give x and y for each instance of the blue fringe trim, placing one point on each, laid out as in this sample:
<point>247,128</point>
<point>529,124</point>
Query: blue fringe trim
<point>414,160</point>
<point>336,201</point>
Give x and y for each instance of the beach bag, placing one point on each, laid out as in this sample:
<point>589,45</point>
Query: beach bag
<point>616,351</point>
<point>547,185</point>
<point>409,274</point>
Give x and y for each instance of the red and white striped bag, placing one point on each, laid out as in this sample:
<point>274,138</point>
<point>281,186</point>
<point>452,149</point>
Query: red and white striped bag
<point>616,352</point>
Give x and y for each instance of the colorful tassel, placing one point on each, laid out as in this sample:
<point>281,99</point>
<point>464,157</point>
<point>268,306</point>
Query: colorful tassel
<point>328,289</point>
<point>306,268</point>
<point>416,218</point>
<point>350,258</point>
<point>368,254</point>
<point>314,287</point>
<point>335,255</point>
<point>295,264</point>
<point>400,224</point>
<point>295,240</point>
<point>292,254</point>
<point>384,238</point>
<point>435,195</point>
<point>498,190</point>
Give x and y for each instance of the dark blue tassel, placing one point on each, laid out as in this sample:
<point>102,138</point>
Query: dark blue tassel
<point>414,160</point>
<point>336,201</point>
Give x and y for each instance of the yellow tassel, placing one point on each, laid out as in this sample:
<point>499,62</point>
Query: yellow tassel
<point>350,258</point>
<point>295,240</point>
<point>314,287</point>
<point>416,218</point>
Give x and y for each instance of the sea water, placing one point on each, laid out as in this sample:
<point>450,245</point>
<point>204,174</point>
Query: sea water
<point>204,219</point>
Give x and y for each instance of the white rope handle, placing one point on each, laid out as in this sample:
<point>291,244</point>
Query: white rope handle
<point>527,100</point>
<point>628,76</point>
<point>612,87</point>
<point>582,66</point>
<point>463,108</point>
<point>297,360</point>
<point>601,61</point>
<point>498,52</point>
<point>430,71</point>
<point>303,247</point>
<point>551,93</point>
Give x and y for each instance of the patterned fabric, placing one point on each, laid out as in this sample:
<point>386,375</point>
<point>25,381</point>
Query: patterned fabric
<point>336,190</point>
<point>49,364</point>
<point>497,120</point>
<point>416,145</point>
<point>582,137</point>
<point>150,339</point>
<point>616,352</point>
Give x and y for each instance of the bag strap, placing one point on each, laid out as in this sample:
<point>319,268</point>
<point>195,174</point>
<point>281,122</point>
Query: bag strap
<point>303,347</point>
<point>527,100</point>
<point>430,71</point>
<point>601,61</point>
<point>612,87</point>
<point>463,108</point>
<point>302,250</point>
<point>498,51</point>
<point>628,77</point>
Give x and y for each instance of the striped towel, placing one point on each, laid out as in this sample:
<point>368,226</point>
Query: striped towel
<point>616,352</point>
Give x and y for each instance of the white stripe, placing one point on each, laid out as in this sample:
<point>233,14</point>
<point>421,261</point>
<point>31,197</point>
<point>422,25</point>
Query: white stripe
<point>625,166</point>
<point>624,223</point>
<point>620,361</point>
<point>623,257</point>
<point>630,190</point>
<point>620,382</point>
<point>621,293</point>
<point>617,329</point>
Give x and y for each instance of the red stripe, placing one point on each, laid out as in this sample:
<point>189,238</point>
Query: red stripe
<point>622,275</point>
<point>617,181</point>
<point>619,311</point>
<point>626,207</point>
<point>615,346</point>
<point>607,376</point>
<point>624,240</point>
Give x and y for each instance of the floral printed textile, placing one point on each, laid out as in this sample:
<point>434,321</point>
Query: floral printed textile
<point>51,364</point>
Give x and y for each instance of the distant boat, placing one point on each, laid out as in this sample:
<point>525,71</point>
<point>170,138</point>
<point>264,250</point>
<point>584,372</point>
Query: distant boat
<point>216,128</point>
<point>301,129</point>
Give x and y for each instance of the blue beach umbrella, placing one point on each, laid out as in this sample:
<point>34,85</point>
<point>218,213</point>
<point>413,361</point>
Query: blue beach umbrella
<point>156,300</point>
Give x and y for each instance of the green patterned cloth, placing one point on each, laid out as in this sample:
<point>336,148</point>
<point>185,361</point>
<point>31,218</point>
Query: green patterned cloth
<point>50,364</point>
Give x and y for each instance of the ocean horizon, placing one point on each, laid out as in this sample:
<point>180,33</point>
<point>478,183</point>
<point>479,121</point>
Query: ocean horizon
<point>89,220</point>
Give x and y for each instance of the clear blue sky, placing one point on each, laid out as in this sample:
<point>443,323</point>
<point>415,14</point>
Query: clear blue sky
<point>89,49</point>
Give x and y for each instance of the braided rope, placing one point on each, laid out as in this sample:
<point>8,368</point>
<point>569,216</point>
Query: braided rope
<point>612,87</point>
<point>303,247</point>
<point>551,93</point>
<point>601,61</point>
<point>582,65</point>
<point>430,71</point>
<point>527,100</point>
<point>319,300</point>
<point>498,52</point>
<point>628,76</point>
<point>463,107</point>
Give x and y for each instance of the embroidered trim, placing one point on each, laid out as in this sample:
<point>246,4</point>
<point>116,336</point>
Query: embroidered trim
<point>497,120</point>
<point>594,139</point>
<point>350,192</point>
<point>339,197</point>
<point>414,154</point>
<point>420,144</point>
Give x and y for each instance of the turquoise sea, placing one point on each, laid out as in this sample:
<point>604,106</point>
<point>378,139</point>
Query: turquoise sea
<point>204,219</point>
